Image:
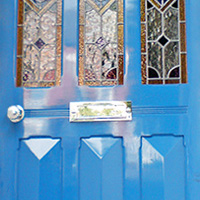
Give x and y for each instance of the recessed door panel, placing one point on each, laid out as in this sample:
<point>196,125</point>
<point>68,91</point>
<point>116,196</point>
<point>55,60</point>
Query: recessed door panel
<point>39,169</point>
<point>101,168</point>
<point>162,168</point>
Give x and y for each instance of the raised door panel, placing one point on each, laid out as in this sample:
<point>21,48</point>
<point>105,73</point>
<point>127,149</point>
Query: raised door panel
<point>162,168</point>
<point>101,168</point>
<point>39,169</point>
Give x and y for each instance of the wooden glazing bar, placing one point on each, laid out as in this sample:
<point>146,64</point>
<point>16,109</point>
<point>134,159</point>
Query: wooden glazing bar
<point>184,68</point>
<point>95,83</point>
<point>120,39</point>
<point>19,40</point>
<point>155,3</point>
<point>35,8</point>
<point>121,70</point>
<point>46,84</point>
<point>172,81</point>
<point>155,81</point>
<point>109,83</point>
<point>143,64</point>
<point>81,40</point>
<point>59,38</point>
<point>143,38</point>
<point>81,70</point>
<point>81,12</point>
<point>48,6</point>
<point>142,11</point>
<point>182,9</point>
<point>183,36</point>
<point>28,84</point>
<point>19,72</point>
<point>93,5</point>
<point>166,5</point>
<point>20,12</point>
<point>59,12</point>
<point>120,11</point>
<point>106,6</point>
<point>58,70</point>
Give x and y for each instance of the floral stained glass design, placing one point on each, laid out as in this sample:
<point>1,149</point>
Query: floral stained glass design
<point>39,43</point>
<point>163,42</point>
<point>101,42</point>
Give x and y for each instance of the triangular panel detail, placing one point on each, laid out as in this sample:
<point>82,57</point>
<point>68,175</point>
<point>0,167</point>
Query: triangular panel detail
<point>41,146</point>
<point>150,155</point>
<point>163,144</point>
<point>100,146</point>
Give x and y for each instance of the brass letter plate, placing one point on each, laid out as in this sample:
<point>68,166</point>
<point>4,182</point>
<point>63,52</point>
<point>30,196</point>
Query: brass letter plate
<point>100,111</point>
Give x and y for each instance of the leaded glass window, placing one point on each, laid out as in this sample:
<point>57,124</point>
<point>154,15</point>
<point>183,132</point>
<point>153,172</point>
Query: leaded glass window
<point>163,42</point>
<point>39,43</point>
<point>101,42</point>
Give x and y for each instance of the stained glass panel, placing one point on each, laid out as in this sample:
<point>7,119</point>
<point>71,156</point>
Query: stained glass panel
<point>101,42</point>
<point>163,42</point>
<point>39,43</point>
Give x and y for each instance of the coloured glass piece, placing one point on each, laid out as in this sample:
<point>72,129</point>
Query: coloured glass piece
<point>101,42</point>
<point>163,42</point>
<point>39,43</point>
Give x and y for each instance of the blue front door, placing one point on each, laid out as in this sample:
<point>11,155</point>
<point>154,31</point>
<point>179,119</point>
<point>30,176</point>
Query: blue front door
<point>45,156</point>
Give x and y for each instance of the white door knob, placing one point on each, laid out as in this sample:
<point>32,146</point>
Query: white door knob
<point>15,113</point>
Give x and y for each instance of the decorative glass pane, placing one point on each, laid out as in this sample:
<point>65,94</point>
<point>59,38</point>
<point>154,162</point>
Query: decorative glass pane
<point>101,42</point>
<point>163,42</point>
<point>39,43</point>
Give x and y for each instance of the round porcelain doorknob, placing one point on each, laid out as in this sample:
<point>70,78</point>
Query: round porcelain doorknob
<point>15,113</point>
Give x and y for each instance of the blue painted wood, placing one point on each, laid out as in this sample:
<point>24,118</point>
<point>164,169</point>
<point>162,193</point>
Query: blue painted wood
<point>101,168</point>
<point>39,169</point>
<point>158,110</point>
<point>193,136</point>
<point>162,168</point>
